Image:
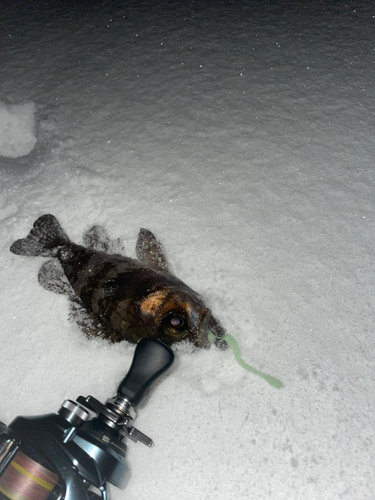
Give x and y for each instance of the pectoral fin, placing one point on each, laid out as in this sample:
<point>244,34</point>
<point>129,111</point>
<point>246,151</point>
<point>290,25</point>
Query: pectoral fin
<point>150,251</point>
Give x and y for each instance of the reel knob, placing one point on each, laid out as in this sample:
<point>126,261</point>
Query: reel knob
<point>151,359</point>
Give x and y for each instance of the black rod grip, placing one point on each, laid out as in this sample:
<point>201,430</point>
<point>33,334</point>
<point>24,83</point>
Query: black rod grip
<point>151,359</point>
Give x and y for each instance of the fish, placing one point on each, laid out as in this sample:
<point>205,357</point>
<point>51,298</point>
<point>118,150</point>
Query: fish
<point>132,298</point>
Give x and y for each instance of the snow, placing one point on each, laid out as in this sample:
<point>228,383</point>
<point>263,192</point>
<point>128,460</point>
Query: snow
<point>242,135</point>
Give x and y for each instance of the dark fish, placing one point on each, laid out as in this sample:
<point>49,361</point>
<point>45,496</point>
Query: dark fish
<point>132,298</point>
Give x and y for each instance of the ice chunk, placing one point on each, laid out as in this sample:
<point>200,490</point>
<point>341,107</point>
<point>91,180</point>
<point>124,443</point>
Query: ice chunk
<point>17,129</point>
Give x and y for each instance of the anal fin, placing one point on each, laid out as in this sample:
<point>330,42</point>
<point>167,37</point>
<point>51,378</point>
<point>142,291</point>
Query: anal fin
<point>52,277</point>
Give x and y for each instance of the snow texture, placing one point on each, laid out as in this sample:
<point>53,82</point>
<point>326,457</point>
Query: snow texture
<point>242,134</point>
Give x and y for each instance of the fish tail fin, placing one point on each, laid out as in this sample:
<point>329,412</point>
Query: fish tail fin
<point>45,235</point>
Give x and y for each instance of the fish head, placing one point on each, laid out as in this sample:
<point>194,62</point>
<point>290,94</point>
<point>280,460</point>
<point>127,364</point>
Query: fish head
<point>177,315</point>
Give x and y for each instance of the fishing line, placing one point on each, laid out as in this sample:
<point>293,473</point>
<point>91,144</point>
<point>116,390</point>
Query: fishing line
<point>233,344</point>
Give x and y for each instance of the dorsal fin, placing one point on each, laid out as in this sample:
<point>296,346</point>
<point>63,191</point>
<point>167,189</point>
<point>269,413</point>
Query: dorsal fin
<point>150,251</point>
<point>98,239</point>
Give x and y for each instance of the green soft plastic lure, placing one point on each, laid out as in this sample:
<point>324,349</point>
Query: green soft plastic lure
<point>233,344</point>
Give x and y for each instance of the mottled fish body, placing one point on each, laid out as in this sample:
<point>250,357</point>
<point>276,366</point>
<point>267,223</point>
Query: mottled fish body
<point>132,298</point>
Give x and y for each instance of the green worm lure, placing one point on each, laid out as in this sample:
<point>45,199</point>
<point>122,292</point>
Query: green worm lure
<point>233,344</point>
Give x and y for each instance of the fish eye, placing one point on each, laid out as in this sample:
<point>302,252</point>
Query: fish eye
<point>175,326</point>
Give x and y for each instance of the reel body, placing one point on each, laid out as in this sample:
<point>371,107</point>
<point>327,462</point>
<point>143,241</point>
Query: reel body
<point>73,454</point>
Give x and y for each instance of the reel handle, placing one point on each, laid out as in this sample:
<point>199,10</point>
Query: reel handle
<point>151,359</point>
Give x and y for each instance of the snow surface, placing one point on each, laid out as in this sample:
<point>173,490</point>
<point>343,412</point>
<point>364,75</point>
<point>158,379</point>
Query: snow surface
<point>242,135</point>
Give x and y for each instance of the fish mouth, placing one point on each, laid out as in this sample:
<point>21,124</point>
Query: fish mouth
<point>218,331</point>
<point>200,335</point>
